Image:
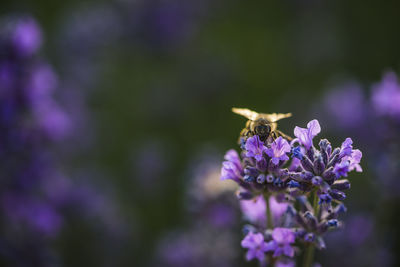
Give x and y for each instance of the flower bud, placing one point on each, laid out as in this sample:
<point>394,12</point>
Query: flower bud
<point>261,178</point>
<point>262,165</point>
<point>249,179</point>
<point>319,165</point>
<point>309,237</point>
<point>270,178</point>
<point>307,164</point>
<point>244,195</point>
<point>339,195</point>
<point>334,158</point>
<point>317,180</point>
<point>343,184</point>
<point>310,219</point>
<point>329,175</point>
<point>293,183</point>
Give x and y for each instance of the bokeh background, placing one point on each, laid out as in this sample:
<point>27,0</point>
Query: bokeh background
<point>148,86</point>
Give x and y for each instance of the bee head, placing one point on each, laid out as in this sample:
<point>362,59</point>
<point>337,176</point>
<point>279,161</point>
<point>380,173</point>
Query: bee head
<point>262,130</point>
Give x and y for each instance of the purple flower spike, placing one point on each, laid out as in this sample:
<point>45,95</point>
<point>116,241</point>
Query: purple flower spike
<point>305,135</point>
<point>281,243</point>
<point>255,148</point>
<point>256,245</point>
<point>231,168</point>
<point>278,150</point>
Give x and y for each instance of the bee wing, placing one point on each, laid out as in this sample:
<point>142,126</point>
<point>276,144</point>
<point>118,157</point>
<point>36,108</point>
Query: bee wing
<point>249,114</point>
<point>274,117</point>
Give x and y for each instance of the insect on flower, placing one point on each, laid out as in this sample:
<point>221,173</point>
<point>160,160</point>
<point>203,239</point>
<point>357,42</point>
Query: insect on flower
<point>261,124</point>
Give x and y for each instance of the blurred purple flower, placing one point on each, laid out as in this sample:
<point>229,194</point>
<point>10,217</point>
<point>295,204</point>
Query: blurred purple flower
<point>41,84</point>
<point>33,195</point>
<point>281,243</point>
<point>55,123</point>
<point>305,135</point>
<point>26,37</point>
<point>256,246</point>
<point>170,22</point>
<point>286,263</point>
<point>386,95</point>
<point>278,209</point>
<point>221,215</point>
<point>359,228</point>
<point>231,168</point>
<point>254,210</point>
<point>278,150</point>
<point>346,104</point>
<point>37,214</point>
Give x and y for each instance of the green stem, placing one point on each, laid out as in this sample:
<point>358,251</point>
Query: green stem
<point>270,225</point>
<point>308,256</point>
<point>269,216</point>
<point>315,205</point>
<point>309,253</point>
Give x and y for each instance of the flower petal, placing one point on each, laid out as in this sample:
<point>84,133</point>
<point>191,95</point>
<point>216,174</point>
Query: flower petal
<point>314,127</point>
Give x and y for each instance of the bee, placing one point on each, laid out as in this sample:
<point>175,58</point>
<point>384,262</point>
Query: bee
<point>261,124</point>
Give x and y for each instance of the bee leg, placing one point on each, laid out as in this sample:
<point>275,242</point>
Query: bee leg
<point>284,135</point>
<point>274,135</point>
<point>271,138</point>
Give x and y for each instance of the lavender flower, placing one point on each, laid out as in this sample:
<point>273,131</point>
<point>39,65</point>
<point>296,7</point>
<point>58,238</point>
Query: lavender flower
<point>305,135</point>
<point>346,148</point>
<point>256,246</point>
<point>355,159</point>
<point>267,177</point>
<point>278,150</point>
<point>255,148</point>
<point>341,169</point>
<point>283,239</point>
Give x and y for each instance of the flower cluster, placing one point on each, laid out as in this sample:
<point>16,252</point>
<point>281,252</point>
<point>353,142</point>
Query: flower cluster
<point>30,121</point>
<point>291,192</point>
